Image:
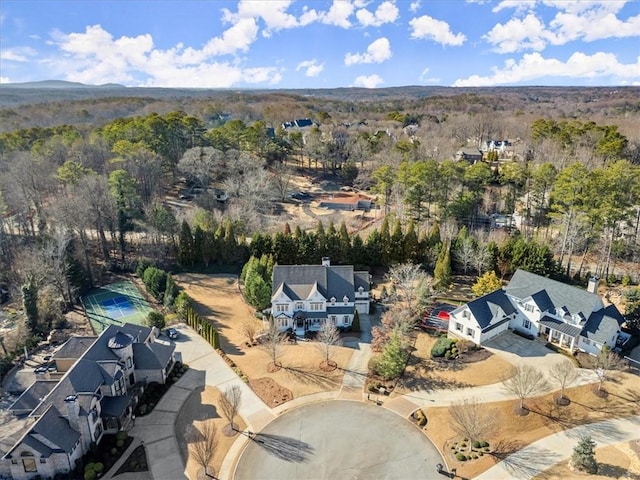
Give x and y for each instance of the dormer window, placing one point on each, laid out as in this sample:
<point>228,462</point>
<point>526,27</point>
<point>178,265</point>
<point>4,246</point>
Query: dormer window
<point>360,289</point>
<point>333,300</point>
<point>345,299</point>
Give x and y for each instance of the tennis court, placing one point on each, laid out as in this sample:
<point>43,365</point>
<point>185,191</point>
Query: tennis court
<point>115,304</point>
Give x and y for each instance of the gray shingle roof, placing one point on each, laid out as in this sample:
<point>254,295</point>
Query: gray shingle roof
<point>154,356</point>
<point>485,307</point>
<point>562,327</point>
<point>115,406</point>
<point>74,347</point>
<point>601,323</point>
<point>32,397</point>
<point>53,427</point>
<point>525,284</point>
<point>332,281</point>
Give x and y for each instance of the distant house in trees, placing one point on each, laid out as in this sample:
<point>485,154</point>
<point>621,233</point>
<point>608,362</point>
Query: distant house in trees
<point>569,316</point>
<point>300,123</point>
<point>471,155</point>
<point>306,296</point>
<point>94,390</point>
<point>347,201</point>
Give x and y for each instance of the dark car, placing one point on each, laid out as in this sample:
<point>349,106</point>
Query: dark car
<point>300,195</point>
<point>172,333</point>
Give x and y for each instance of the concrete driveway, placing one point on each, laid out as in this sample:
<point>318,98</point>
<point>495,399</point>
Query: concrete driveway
<point>339,439</point>
<point>520,351</point>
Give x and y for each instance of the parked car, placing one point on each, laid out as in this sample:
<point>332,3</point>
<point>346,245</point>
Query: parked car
<point>172,333</point>
<point>300,195</point>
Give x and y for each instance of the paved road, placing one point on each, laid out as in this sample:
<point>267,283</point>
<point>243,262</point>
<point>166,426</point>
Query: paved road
<point>338,439</point>
<point>546,452</point>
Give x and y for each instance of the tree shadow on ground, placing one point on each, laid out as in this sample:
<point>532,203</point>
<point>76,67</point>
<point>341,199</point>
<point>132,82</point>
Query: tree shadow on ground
<point>285,448</point>
<point>524,464</point>
<point>311,376</point>
<point>422,379</point>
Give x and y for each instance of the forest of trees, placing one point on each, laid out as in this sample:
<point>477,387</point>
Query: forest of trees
<point>92,193</point>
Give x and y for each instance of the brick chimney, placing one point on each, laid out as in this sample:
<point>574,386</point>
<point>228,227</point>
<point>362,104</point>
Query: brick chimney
<point>326,262</point>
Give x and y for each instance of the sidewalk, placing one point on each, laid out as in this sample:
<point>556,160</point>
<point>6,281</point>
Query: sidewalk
<point>546,452</point>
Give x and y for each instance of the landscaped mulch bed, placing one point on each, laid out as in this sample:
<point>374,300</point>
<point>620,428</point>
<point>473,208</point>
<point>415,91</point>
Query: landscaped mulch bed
<point>137,462</point>
<point>270,392</point>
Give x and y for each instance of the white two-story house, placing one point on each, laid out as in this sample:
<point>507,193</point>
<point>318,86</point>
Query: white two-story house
<point>95,390</point>
<point>306,296</point>
<point>571,317</point>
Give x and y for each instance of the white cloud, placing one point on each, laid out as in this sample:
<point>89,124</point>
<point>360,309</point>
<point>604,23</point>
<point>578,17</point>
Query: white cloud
<point>95,57</point>
<point>312,67</point>
<point>18,54</point>
<point>377,52</point>
<point>414,6</point>
<point>519,5</point>
<point>5,80</point>
<point>577,20</point>
<point>518,34</point>
<point>436,30</point>
<point>370,81</point>
<point>387,12</point>
<point>338,14</point>
<point>533,66</point>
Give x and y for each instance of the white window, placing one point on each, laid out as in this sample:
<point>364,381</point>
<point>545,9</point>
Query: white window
<point>470,332</point>
<point>526,324</point>
<point>334,319</point>
<point>129,363</point>
<point>282,322</point>
<point>299,306</point>
<point>528,307</point>
<point>316,306</point>
<point>458,326</point>
<point>333,300</point>
<point>345,299</point>
<point>465,314</point>
<point>345,320</point>
<point>282,307</point>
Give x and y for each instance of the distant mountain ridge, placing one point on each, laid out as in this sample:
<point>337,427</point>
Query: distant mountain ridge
<point>60,84</point>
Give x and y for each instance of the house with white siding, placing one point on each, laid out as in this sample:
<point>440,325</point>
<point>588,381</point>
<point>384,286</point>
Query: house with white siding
<point>569,316</point>
<point>304,297</point>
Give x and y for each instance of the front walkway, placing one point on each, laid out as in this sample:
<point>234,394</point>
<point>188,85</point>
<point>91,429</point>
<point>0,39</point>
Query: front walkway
<point>548,451</point>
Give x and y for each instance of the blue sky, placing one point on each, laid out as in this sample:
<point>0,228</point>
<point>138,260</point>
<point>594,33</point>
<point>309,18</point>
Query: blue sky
<point>321,44</point>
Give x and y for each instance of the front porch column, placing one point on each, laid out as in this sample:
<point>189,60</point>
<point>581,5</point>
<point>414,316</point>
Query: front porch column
<point>550,335</point>
<point>561,340</point>
<point>573,340</point>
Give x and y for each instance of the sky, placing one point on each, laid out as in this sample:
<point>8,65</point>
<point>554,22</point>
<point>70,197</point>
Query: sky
<point>321,44</point>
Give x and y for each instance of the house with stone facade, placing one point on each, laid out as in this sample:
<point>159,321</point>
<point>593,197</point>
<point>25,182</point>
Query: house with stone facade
<point>93,390</point>
<point>568,316</point>
<point>304,297</point>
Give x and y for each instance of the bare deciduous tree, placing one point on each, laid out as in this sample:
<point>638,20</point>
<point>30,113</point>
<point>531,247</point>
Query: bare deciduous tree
<point>524,382</point>
<point>272,344</point>
<point>203,442</point>
<point>230,401</point>
<point>409,280</point>
<point>202,164</point>
<point>249,329</point>
<point>471,419</point>
<point>564,373</point>
<point>328,339</point>
<point>466,253</point>
<point>606,366</point>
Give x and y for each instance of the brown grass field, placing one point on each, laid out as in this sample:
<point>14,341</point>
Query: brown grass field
<point>512,432</point>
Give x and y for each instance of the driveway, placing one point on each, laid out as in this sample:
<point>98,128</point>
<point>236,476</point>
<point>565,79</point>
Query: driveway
<point>338,439</point>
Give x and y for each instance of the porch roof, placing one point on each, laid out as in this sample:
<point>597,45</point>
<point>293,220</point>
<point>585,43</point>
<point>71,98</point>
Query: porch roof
<point>115,406</point>
<point>560,326</point>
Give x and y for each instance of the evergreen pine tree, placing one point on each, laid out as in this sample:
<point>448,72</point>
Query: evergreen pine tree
<point>30,304</point>
<point>355,324</point>
<point>442,271</point>
<point>583,457</point>
<point>185,245</point>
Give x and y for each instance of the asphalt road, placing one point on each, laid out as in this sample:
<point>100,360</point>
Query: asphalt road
<point>338,439</point>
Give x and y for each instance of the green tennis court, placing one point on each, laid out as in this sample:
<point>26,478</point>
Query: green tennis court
<point>115,304</point>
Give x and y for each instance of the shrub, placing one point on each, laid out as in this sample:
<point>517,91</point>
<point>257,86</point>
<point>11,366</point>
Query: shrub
<point>442,345</point>
<point>447,355</point>
<point>119,443</point>
<point>484,444</point>
<point>476,444</point>
<point>114,451</point>
<point>626,280</point>
<point>122,435</point>
<point>90,475</point>
<point>421,419</point>
<point>143,264</point>
<point>89,466</point>
<point>461,457</point>
<point>463,445</point>
<point>155,319</point>
<point>98,467</point>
